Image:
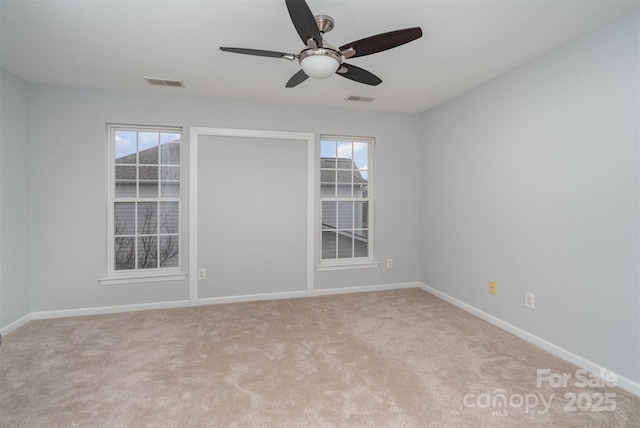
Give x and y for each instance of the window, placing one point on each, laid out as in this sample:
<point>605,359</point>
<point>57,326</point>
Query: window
<point>346,202</point>
<point>144,201</point>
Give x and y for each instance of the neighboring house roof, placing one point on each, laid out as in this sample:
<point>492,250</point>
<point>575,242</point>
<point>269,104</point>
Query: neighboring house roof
<point>345,166</point>
<point>169,155</point>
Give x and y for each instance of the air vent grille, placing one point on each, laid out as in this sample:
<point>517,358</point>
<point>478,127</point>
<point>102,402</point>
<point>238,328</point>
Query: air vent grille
<point>164,82</point>
<point>359,99</point>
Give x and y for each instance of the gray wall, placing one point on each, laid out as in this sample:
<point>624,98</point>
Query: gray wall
<point>15,293</point>
<point>532,181</point>
<point>68,209</point>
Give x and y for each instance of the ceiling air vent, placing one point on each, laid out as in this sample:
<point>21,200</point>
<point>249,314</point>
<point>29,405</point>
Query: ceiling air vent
<point>359,99</point>
<point>164,82</point>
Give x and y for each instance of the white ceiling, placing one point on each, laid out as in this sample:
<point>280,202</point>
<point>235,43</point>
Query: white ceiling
<point>114,44</point>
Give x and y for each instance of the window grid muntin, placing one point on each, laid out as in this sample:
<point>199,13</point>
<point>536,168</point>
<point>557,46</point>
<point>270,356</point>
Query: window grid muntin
<point>164,135</point>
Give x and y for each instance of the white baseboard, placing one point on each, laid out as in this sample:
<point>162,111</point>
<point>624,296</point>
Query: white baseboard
<point>364,288</point>
<point>16,324</point>
<point>298,294</point>
<point>250,298</point>
<point>622,382</point>
<point>108,310</point>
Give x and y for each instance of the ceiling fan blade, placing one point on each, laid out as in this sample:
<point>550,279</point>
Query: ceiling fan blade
<point>304,22</point>
<point>259,52</point>
<point>358,74</point>
<point>380,42</point>
<point>297,79</point>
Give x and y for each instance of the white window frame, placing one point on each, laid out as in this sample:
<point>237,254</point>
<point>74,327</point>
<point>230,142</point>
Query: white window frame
<point>353,262</point>
<point>140,275</point>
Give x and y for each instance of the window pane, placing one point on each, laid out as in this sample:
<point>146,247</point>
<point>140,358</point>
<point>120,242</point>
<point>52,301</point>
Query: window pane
<point>345,150</point>
<point>126,189</point>
<point>359,191</point>
<point>125,146</point>
<point>327,149</point>
<point>328,183</point>
<point>147,252</point>
<point>361,244</point>
<point>126,176</point>
<point>345,245</point>
<point>345,215</point>
<point>170,190</point>
<point>148,147</point>
<point>361,234</point>
<point>361,214</point>
<point>328,190</point>
<point>148,190</point>
<point>361,155</point>
<point>125,218</point>
<point>148,173</point>
<point>169,137</point>
<point>169,251</point>
<point>170,173</point>
<point>328,244</point>
<point>126,172</point>
<point>344,184</point>
<point>169,217</point>
<point>170,150</point>
<point>329,212</point>
<point>360,183</point>
<point>147,218</point>
<point>327,163</point>
<point>125,253</point>
<point>344,163</point>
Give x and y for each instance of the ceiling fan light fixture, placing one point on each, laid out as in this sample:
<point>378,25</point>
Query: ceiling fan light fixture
<point>320,63</point>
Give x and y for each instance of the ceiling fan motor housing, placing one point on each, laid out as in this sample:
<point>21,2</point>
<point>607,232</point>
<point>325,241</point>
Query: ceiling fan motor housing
<point>320,63</point>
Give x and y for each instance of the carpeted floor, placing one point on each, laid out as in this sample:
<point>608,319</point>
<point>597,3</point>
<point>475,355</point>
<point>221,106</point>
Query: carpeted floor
<point>383,359</point>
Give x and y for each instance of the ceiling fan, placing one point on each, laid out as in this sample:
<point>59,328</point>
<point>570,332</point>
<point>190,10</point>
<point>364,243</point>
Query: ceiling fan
<point>319,59</point>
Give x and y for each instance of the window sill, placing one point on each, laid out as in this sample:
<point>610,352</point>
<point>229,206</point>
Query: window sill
<point>347,266</point>
<point>132,279</point>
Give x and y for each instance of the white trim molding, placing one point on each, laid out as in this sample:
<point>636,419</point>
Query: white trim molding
<point>16,324</point>
<point>108,310</point>
<point>348,266</point>
<point>364,288</point>
<point>624,383</point>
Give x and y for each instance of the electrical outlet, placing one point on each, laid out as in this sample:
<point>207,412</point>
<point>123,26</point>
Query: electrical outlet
<point>530,300</point>
<point>492,287</point>
<point>389,263</point>
<point>202,274</point>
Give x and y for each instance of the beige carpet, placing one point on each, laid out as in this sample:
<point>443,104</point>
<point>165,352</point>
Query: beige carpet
<point>383,359</point>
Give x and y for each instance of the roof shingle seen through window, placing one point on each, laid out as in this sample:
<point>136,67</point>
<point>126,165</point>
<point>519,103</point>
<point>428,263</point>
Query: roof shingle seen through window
<point>169,157</point>
<point>345,167</point>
